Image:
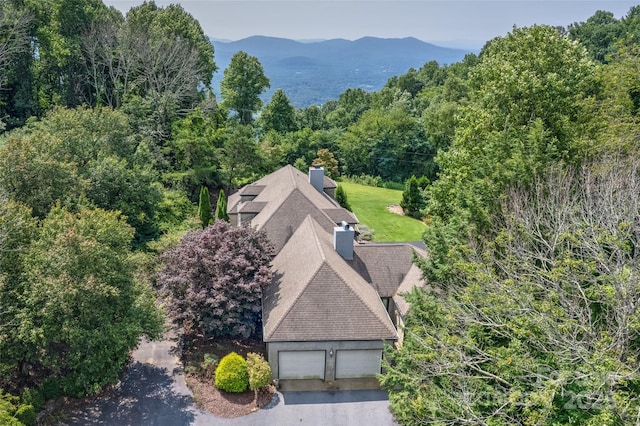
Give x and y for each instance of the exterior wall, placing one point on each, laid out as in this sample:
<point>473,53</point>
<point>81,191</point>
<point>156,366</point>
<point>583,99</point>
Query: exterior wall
<point>233,219</point>
<point>245,218</point>
<point>330,367</point>
<point>331,192</point>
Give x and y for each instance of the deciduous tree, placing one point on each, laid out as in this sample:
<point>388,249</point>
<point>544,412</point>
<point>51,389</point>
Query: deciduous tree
<point>212,282</point>
<point>83,310</point>
<point>243,83</point>
<point>540,325</point>
<point>278,114</point>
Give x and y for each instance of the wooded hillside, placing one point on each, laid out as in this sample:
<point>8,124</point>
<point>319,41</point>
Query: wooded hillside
<point>521,160</point>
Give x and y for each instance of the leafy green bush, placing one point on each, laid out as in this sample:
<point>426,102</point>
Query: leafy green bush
<point>232,374</point>
<point>259,371</point>
<point>208,365</point>
<point>15,413</point>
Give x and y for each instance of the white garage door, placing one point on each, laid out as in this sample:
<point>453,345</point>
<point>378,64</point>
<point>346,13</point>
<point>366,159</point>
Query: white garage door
<point>301,364</point>
<point>358,363</point>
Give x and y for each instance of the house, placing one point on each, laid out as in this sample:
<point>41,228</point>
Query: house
<point>334,302</point>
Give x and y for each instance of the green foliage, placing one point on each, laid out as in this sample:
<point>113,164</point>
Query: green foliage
<point>232,374</point>
<point>351,104</point>
<point>387,143</point>
<point>221,207</point>
<point>278,115</point>
<point>413,201</point>
<point>14,413</point>
<point>526,105</point>
<point>497,344</point>
<point>89,153</point>
<point>195,150</point>
<point>326,159</point>
<point>83,311</point>
<point>17,230</point>
<point>341,197</point>
<point>33,175</point>
<point>204,208</point>
<point>259,371</point>
<point>209,365</point>
<point>242,84</point>
<point>242,159</point>
<point>598,34</point>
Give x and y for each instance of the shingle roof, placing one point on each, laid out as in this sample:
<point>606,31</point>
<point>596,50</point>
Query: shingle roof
<point>411,280</point>
<point>385,266</point>
<point>316,295</point>
<point>340,214</point>
<point>251,190</point>
<point>251,207</point>
<point>288,198</point>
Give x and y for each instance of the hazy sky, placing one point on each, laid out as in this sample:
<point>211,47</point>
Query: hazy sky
<point>435,21</point>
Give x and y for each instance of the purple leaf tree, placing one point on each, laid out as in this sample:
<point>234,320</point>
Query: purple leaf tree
<point>212,281</point>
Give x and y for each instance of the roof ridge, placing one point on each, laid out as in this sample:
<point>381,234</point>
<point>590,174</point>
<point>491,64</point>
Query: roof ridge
<point>304,287</point>
<point>291,171</point>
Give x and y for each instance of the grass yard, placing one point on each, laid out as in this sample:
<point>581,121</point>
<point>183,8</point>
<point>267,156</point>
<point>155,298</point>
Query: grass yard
<point>370,206</point>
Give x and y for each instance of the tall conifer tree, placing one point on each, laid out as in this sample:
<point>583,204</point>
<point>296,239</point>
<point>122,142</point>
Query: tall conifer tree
<point>221,207</point>
<point>204,208</point>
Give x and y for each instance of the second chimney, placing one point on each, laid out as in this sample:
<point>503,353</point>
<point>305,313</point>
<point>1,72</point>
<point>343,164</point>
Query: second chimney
<point>343,237</point>
<point>316,177</point>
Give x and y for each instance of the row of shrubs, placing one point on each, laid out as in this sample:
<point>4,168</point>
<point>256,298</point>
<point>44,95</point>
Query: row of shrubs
<point>235,374</point>
<point>376,181</point>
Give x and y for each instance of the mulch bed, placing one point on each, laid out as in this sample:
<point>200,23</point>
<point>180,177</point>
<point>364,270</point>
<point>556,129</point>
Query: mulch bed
<point>205,394</point>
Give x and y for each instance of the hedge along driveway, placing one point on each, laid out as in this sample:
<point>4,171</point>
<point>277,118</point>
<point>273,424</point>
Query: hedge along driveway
<point>370,206</point>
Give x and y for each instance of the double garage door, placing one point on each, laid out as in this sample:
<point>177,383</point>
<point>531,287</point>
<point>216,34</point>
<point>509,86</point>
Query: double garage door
<point>311,364</point>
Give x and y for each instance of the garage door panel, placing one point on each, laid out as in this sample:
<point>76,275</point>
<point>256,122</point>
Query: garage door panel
<point>301,364</point>
<point>358,363</point>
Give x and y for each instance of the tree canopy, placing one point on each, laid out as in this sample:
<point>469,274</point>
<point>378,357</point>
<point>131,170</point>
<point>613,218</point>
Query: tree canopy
<point>212,281</point>
<point>540,325</point>
<point>242,84</point>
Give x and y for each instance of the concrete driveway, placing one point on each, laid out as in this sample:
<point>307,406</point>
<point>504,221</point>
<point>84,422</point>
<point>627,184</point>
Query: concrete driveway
<point>153,392</point>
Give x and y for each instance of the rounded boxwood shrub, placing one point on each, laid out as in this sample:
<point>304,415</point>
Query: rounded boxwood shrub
<point>232,374</point>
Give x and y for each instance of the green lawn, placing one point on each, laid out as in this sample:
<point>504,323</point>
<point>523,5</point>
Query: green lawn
<point>370,206</point>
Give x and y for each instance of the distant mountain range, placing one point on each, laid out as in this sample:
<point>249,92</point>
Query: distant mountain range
<point>317,71</point>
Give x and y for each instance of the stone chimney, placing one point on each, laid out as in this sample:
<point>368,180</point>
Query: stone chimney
<point>343,237</point>
<point>316,177</point>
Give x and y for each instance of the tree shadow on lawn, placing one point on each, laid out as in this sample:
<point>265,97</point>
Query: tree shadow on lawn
<point>146,396</point>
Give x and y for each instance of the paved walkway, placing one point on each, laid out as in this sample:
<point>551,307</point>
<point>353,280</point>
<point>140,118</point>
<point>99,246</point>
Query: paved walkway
<point>153,392</point>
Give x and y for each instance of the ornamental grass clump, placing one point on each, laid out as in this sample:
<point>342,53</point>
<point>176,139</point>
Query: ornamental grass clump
<point>232,374</point>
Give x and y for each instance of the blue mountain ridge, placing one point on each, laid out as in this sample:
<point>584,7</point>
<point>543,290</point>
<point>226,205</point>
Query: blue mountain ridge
<point>316,72</point>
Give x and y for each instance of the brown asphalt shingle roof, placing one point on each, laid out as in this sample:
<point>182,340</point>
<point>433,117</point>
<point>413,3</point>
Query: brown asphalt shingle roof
<point>288,198</point>
<point>316,295</point>
<point>385,266</point>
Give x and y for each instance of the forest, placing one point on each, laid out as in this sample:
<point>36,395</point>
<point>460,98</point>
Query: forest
<point>521,160</point>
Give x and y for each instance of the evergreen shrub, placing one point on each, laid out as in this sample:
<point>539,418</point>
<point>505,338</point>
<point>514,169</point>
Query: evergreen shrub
<point>232,374</point>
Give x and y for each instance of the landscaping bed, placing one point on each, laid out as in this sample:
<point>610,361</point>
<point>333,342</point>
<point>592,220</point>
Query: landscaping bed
<point>198,357</point>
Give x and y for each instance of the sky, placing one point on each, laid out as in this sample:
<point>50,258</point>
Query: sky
<point>460,23</point>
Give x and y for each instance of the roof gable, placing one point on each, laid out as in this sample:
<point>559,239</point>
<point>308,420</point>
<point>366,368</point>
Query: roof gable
<point>316,295</point>
<point>283,199</point>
